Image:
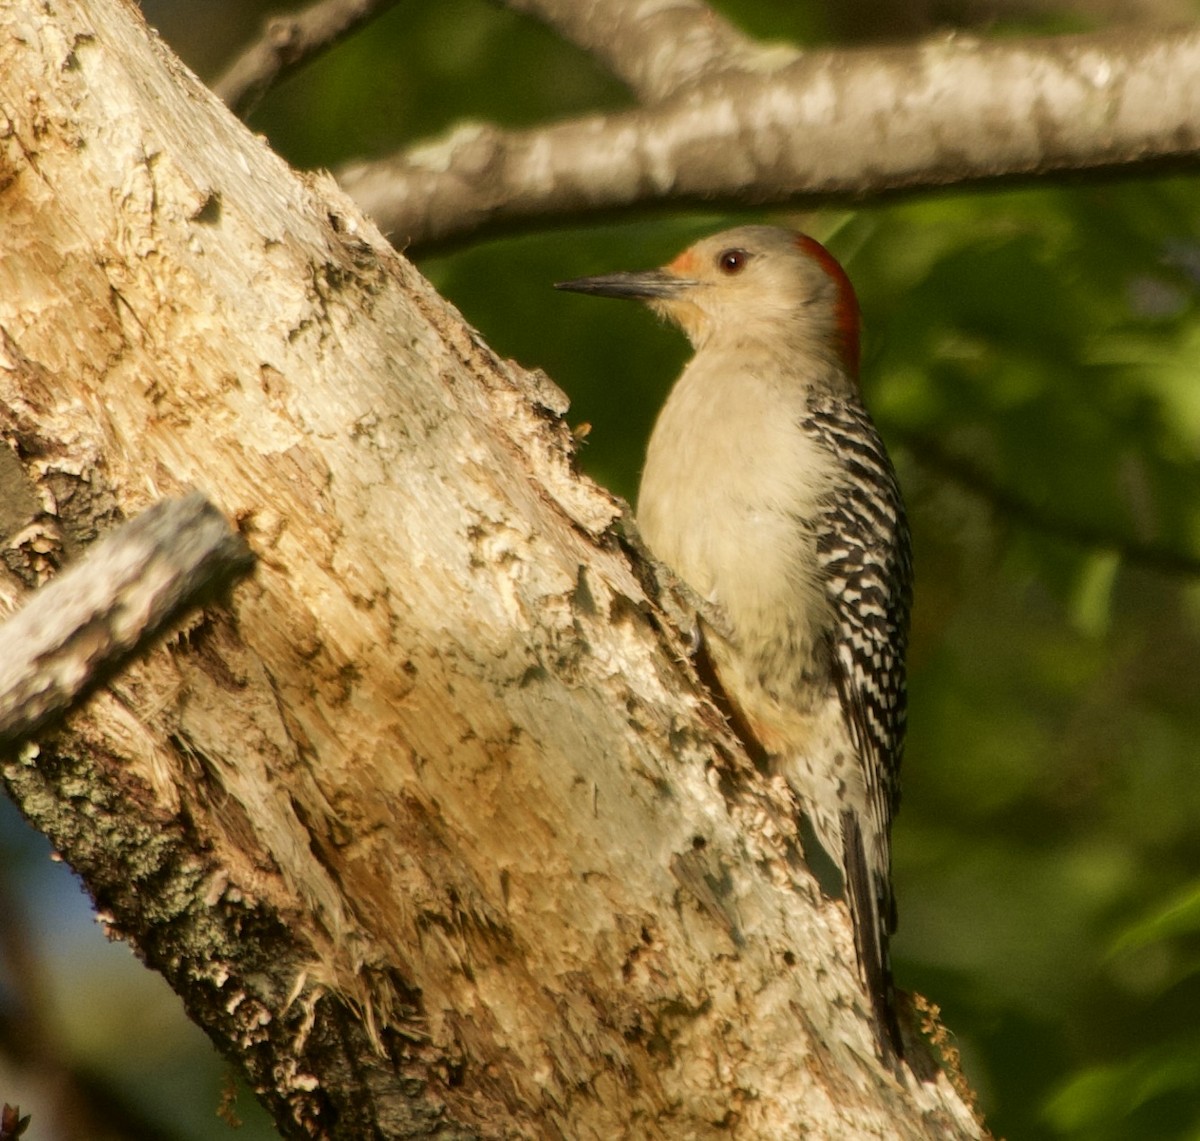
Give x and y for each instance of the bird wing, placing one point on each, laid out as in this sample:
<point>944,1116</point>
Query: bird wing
<point>864,550</point>
<point>865,554</point>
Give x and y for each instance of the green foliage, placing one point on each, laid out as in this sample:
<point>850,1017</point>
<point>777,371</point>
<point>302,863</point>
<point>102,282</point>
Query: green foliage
<point>1044,342</point>
<point>424,68</point>
<point>1156,1093</point>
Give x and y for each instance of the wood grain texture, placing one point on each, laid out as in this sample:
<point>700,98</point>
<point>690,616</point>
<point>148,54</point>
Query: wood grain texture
<point>434,832</point>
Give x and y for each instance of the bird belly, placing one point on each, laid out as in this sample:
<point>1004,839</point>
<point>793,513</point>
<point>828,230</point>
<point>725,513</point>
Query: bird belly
<point>732,507</point>
<point>727,504</point>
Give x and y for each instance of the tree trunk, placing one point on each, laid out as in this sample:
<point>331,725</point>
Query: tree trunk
<point>433,828</point>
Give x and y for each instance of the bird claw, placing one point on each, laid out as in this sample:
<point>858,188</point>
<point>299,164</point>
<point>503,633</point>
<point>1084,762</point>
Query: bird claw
<point>706,615</point>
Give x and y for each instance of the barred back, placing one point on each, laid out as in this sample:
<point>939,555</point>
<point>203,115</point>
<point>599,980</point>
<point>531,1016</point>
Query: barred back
<point>864,551</point>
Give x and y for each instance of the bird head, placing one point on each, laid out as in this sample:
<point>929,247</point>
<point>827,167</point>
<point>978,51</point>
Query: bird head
<point>758,284</point>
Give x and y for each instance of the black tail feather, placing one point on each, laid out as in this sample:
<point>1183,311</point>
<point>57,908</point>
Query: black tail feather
<point>872,914</point>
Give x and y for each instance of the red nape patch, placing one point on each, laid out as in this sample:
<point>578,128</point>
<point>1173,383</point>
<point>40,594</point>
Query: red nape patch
<point>685,264</point>
<point>848,322</point>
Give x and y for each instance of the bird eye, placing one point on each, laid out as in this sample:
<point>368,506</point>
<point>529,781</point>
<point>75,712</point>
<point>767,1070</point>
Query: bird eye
<point>732,261</point>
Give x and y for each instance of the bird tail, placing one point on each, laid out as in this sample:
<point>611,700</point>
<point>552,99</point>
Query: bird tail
<point>873,914</point>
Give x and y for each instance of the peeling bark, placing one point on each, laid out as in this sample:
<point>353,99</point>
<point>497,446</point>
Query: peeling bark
<point>434,831</point>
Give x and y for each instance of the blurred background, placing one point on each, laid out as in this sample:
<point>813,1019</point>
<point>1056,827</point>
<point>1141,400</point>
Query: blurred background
<point>1032,357</point>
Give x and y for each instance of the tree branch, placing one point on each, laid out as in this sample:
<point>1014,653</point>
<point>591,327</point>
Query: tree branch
<point>81,627</point>
<point>403,826</point>
<point>289,42</point>
<point>846,123</point>
<point>657,49</point>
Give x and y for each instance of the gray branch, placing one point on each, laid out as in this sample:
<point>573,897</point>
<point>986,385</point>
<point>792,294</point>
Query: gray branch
<point>857,124</point>
<point>78,629</point>
<point>657,49</point>
<point>289,42</point>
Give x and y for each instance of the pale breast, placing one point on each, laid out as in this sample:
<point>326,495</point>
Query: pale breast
<point>728,499</point>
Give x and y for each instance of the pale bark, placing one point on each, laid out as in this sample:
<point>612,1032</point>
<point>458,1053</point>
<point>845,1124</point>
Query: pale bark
<point>801,130</point>
<point>656,49</point>
<point>433,830</point>
<point>86,623</point>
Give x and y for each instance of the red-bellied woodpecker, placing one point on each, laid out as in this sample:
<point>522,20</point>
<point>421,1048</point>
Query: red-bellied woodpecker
<point>768,491</point>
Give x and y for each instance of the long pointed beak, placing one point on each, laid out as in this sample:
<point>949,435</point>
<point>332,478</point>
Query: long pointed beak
<point>647,285</point>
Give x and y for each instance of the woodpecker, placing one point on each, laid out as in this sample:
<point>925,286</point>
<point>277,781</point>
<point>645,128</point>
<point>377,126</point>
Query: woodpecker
<point>768,491</point>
